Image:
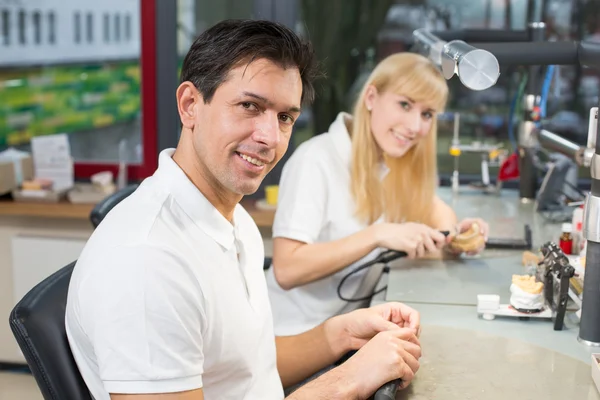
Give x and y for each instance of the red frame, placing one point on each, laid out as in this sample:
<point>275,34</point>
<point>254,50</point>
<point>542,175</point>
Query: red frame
<point>148,104</point>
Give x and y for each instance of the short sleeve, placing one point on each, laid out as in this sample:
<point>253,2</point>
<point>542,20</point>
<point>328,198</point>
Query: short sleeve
<point>143,313</point>
<point>302,202</point>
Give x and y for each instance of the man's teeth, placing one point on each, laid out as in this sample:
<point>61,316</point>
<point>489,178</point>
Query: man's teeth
<point>252,160</point>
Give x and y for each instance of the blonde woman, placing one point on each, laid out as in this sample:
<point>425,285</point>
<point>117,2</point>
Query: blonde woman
<point>367,184</point>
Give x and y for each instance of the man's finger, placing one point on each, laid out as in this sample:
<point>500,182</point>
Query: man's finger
<point>409,315</point>
<point>406,334</point>
<point>406,374</point>
<point>381,325</point>
<point>412,348</point>
<point>400,314</point>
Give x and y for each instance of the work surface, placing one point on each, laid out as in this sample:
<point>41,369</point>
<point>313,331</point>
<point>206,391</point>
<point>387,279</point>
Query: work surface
<point>464,364</point>
<point>467,357</point>
<point>458,282</point>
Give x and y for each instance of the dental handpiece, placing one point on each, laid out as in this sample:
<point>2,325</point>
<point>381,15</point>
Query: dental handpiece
<point>387,391</point>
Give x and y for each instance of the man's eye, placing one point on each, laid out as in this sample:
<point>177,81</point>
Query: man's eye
<point>286,118</point>
<point>249,105</point>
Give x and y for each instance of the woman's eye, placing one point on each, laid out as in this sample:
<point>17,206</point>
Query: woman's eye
<point>405,105</point>
<point>427,115</point>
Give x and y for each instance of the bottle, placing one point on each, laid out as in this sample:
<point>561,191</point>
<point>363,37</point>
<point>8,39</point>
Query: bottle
<point>577,223</point>
<point>566,239</point>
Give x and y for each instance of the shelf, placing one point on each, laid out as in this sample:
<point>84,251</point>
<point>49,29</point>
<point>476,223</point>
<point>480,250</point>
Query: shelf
<point>66,210</point>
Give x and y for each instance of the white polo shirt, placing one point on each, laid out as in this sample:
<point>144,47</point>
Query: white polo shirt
<point>169,296</point>
<point>315,205</point>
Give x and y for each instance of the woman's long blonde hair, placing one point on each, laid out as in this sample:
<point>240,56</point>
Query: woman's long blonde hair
<point>407,192</point>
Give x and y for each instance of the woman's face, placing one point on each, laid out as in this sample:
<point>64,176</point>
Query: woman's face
<point>397,122</point>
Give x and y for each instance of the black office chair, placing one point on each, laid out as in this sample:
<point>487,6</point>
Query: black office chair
<point>38,324</point>
<point>101,209</point>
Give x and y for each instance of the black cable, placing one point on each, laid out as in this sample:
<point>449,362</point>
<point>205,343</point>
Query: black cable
<point>575,188</point>
<point>383,258</point>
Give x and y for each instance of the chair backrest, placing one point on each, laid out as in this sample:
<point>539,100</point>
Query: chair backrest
<point>103,207</point>
<point>38,324</point>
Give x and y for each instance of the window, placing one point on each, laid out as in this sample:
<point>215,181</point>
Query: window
<point>51,27</point>
<point>90,27</point>
<point>117,28</point>
<point>106,28</point>
<point>37,29</point>
<point>77,27</point>
<point>22,37</point>
<point>95,100</point>
<point>127,27</point>
<point>6,27</point>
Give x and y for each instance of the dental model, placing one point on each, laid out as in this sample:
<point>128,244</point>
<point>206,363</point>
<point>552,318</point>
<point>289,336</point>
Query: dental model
<point>470,240</point>
<point>526,294</point>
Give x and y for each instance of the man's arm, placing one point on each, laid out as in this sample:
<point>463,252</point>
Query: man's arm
<point>334,385</point>
<point>189,395</point>
<point>148,325</point>
<point>388,356</point>
<point>300,356</point>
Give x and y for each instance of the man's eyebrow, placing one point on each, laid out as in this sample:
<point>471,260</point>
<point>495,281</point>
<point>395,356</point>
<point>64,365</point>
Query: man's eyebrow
<point>268,102</point>
<point>258,97</point>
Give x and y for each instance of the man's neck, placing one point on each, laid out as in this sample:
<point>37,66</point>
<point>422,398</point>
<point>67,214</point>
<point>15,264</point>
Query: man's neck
<point>223,201</point>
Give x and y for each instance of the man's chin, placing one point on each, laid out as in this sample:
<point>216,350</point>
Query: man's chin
<point>247,188</point>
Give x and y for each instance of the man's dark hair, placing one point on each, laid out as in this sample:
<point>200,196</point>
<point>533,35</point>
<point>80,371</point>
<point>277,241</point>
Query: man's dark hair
<point>230,43</point>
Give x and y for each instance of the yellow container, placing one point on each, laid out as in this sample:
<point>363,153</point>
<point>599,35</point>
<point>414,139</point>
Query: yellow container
<point>454,151</point>
<point>271,194</point>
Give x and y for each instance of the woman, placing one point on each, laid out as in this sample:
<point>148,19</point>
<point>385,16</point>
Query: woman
<point>367,184</point>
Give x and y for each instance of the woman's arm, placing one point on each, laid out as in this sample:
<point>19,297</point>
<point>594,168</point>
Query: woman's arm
<point>444,216</point>
<point>297,263</point>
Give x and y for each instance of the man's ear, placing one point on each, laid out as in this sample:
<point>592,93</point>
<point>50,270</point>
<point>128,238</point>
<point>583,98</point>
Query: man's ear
<point>188,100</point>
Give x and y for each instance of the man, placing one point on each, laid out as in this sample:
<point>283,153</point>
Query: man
<point>168,299</point>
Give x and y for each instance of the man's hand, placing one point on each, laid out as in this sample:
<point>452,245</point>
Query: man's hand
<point>386,337</point>
<point>388,356</point>
<point>353,330</point>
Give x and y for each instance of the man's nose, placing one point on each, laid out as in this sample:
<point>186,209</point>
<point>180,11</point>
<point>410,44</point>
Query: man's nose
<point>267,130</point>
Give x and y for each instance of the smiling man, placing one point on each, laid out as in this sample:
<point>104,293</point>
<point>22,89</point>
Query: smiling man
<point>168,299</point>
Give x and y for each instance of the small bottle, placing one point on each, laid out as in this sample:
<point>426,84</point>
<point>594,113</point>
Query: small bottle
<point>577,223</point>
<point>566,239</point>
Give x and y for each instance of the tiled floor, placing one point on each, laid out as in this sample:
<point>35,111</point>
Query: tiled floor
<point>18,386</point>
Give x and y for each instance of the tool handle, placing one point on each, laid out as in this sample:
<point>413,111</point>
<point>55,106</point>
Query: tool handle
<point>387,391</point>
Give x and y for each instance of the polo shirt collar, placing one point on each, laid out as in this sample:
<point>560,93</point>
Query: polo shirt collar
<point>194,203</point>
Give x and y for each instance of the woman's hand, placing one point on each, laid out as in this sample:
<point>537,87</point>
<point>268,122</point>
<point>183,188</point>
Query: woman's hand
<point>413,238</point>
<point>464,226</point>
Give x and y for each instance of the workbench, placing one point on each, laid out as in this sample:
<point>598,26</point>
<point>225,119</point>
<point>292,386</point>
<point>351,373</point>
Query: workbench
<point>466,356</point>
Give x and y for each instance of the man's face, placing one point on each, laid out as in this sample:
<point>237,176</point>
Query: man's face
<point>245,129</point>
